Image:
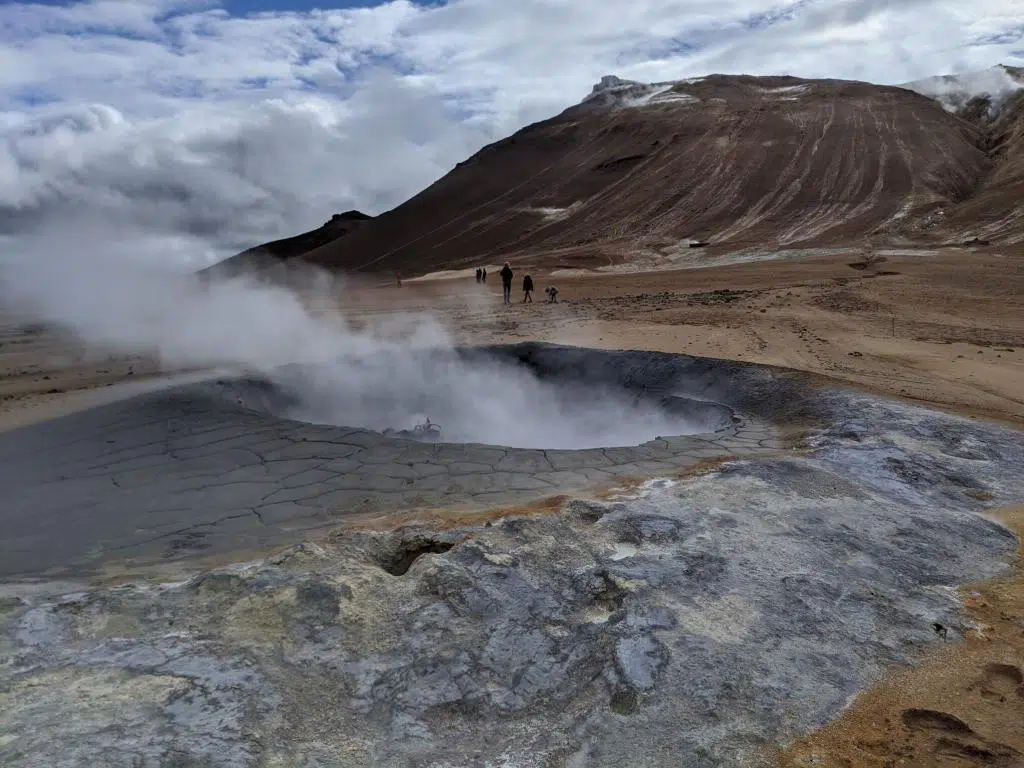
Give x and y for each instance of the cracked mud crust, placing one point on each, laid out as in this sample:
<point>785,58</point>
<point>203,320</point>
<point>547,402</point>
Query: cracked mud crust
<point>699,617</point>
<point>187,473</point>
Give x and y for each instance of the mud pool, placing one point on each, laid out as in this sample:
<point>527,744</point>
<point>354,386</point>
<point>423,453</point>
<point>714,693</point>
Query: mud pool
<point>192,580</point>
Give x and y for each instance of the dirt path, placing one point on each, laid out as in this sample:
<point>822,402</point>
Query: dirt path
<point>943,329</point>
<point>44,372</point>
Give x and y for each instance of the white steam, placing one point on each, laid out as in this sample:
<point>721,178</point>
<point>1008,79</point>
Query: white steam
<point>211,179</point>
<point>954,91</point>
<point>377,376</point>
<point>484,400</point>
<point>130,307</point>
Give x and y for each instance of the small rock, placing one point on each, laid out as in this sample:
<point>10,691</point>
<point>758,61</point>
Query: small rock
<point>500,559</point>
<point>640,660</point>
<point>219,584</point>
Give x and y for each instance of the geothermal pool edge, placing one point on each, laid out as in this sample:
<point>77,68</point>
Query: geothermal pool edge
<point>199,470</point>
<point>698,621</point>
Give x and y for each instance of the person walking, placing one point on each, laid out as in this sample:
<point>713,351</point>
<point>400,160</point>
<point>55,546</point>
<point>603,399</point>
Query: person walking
<point>483,274</point>
<point>527,289</point>
<point>478,274</point>
<point>506,281</point>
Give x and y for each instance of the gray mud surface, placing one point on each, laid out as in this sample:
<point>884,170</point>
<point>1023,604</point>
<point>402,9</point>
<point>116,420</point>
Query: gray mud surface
<point>204,469</point>
<point>694,621</point>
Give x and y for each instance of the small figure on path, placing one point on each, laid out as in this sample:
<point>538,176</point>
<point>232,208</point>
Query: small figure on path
<point>527,289</point>
<point>506,281</point>
<point>552,293</point>
<point>398,279</point>
<point>479,274</point>
<point>483,274</point>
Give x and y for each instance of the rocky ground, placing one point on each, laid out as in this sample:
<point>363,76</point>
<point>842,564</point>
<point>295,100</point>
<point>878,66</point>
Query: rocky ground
<point>694,622</point>
<point>705,615</point>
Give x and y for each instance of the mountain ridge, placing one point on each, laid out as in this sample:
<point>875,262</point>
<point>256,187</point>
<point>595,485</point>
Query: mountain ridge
<point>276,252</point>
<point>738,160</point>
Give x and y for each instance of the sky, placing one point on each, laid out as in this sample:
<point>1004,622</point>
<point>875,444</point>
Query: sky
<point>177,132</point>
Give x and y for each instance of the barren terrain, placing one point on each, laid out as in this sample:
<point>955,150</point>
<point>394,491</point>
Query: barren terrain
<point>940,328</point>
<point>963,706</point>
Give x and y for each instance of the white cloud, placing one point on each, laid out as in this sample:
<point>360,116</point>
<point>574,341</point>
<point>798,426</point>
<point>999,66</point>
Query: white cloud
<point>225,175</point>
<point>174,128</point>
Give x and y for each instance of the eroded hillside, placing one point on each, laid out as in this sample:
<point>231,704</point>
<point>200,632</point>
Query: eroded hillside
<point>284,250</point>
<point>995,209</point>
<point>737,161</point>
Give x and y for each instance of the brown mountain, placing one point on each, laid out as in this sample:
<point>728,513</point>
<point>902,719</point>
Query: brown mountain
<point>994,210</point>
<point>737,161</point>
<point>278,251</point>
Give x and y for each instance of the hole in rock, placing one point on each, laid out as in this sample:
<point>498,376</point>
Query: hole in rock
<point>459,396</point>
<point>399,562</point>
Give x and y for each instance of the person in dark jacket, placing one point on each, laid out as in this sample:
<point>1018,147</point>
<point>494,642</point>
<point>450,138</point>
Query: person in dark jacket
<point>506,281</point>
<point>479,274</point>
<point>527,289</point>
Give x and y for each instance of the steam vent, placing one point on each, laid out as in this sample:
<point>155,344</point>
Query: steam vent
<point>584,558</point>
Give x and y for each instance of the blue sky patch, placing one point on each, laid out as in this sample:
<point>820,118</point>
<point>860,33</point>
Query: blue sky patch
<point>34,97</point>
<point>245,7</point>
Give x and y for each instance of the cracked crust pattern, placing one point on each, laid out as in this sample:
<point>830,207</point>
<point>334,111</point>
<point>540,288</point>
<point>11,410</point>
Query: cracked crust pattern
<point>169,475</point>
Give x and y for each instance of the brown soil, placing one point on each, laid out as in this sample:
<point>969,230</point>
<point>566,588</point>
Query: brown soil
<point>941,328</point>
<point>442,519</point>
<point>44,373</point>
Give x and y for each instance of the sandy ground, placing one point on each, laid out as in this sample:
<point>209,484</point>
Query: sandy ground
<point>942,329</point>
<point>44,373</point>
